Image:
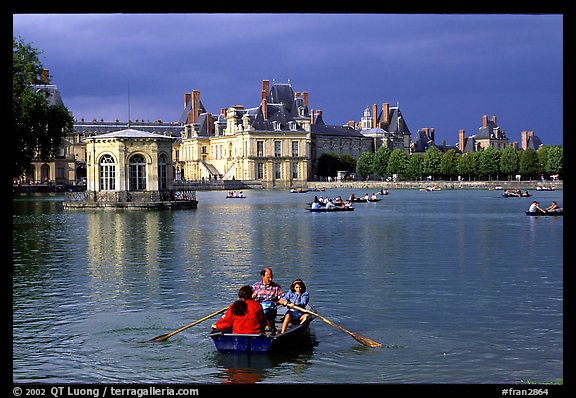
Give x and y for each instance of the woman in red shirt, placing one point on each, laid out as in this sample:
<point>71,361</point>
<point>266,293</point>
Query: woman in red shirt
<point>244,316</point>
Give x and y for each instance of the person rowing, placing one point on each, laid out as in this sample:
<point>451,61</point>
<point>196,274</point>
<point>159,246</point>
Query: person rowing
<point>535,208</point>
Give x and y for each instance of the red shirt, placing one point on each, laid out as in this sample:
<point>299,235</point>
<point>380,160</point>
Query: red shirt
<point>253,321</point>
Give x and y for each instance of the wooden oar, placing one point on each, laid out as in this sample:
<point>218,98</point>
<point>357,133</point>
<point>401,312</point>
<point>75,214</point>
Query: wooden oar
<point>165,337</point>
<point>362,339</point>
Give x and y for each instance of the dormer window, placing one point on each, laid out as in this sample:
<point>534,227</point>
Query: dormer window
<point>276,125</point>
<point>292,125</point>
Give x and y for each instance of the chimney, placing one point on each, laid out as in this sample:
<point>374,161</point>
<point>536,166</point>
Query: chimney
<point>264,108</point>
<point>485,121</point>
<point>195,111</point>
<point>45,76</point>
<point>305,97</point>
<point>374,115</point>
<point>494,120</point>
<point>385,115</point>
<point>266,86</point>
<point>311,116</point>
<point>187,99</point>
<point>350,123</point>
<point>526,137</point>
<point>461,140</point>
<point>209,124</point>
<point>432,133</point>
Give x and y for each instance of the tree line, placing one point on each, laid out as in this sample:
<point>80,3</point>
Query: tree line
<point>37,126</point>
<point>485,164</point>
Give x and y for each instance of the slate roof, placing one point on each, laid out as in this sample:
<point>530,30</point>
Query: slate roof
<point>187,110</point>
<point>421,142</point>
<point>534,142</point>
<point>51,91</point>
<point>282,93</point>
<point>489,132</point>
<point>320,128</point>
<point>130,133</point>
<point>397,122</point>
<point>394,115</point>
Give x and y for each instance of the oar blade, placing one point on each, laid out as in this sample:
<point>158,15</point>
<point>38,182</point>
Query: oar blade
<point>366,341</point>
<point>163,337</point>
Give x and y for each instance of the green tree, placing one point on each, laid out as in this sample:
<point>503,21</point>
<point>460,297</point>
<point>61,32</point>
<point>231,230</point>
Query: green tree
<point>380,162</point>
<point>398,163</point>
<point>529,166</point>
<point>38,127</point>
<point>449,164</point>
<point>328,164</point>
<point>415,167</point>
<point>555,160</point>
<point>432,160</point>
<point>346,162</point>
<point>542,159</point>
<point>489,162</point>
<point>509,162</point>
<point>468,165</point>
<point>364,164</point>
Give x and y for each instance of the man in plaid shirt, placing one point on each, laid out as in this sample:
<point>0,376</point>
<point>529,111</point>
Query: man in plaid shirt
<point>268,293</point>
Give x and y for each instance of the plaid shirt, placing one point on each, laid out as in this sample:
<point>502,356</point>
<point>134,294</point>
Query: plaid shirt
<point>272,292</point>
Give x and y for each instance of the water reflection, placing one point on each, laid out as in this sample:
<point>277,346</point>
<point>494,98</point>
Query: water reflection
<point>442,272</point>
<point>255,368</point>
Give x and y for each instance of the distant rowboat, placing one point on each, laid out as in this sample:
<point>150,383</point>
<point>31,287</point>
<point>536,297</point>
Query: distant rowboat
<point>548,213</point>
<point>329,209</point>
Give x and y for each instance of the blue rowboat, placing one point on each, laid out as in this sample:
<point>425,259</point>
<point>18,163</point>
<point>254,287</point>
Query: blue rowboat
<point>328,210</point>
<point>548,213</point>
<point>263,342</point>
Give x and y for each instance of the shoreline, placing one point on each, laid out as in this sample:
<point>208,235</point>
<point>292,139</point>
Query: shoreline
<point>231,185</point>
<point>442,184</point>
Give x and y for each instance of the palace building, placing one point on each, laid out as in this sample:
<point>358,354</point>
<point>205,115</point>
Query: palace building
<point>279,140</point>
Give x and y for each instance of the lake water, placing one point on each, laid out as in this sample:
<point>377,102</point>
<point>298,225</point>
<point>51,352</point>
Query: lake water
<point>458,285</point>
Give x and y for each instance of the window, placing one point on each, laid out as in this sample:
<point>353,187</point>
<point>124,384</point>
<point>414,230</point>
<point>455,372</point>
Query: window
<point>295,170</point>
<point>137,173</point>
<point>294,148</point>
<point>277,148</point>
<point>162,174</point>
<point>259,148</point>
<point>277,173</point>
<point>260,171</point>
<point>276,125</point>
<point>107,173</point>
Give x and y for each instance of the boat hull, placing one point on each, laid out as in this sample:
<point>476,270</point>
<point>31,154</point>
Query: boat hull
<point>548,213</point>
<point>333,209</point>
<point>260,343</point>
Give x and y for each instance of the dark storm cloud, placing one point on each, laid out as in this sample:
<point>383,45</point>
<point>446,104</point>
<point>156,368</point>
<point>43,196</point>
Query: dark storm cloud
<point>445,71</point>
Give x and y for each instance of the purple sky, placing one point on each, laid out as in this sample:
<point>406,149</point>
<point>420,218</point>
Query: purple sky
<point>444,70</point>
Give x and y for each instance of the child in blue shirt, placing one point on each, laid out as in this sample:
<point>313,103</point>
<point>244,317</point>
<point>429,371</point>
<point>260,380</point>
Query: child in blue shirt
<point>297,295</point>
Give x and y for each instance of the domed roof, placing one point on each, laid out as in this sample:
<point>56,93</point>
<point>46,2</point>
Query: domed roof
<point>130,133</point>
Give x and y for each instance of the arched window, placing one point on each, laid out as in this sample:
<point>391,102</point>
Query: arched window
<point>162,175</point>
<point>137,173</point>
<point>107,173</point>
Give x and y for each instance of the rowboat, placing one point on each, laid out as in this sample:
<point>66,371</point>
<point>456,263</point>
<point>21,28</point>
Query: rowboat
<point>263,342</point>
<point>515,195</point>
<point>363,200</point>
<point>329,209</point>
<point>548,213</point>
